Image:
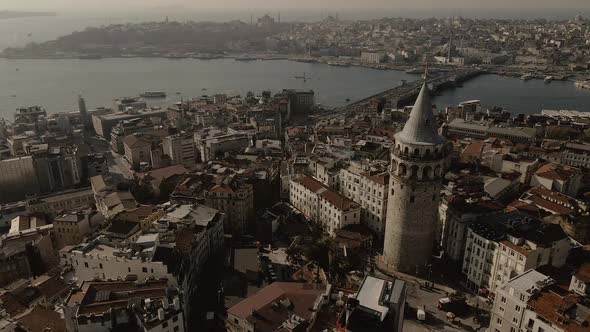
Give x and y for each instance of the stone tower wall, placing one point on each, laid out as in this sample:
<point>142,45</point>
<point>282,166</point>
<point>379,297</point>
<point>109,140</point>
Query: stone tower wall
<point>412,210</point>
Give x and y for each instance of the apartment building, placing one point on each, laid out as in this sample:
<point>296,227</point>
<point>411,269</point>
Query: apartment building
<point>543,300</point>
<point>181,149</point>
<point>456,214</point>
<point>367,186</point>
<point>103,306</point>
<point>511,301</point>
<point>553,176</point>
<point>71,227</point>
<point>322,205</point>
<point>502,246</point>
<point>61,201</point>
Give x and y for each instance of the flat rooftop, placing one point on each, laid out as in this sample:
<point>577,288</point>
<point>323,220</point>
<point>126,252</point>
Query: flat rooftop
<point>370,293</point>
<point>525,281</point>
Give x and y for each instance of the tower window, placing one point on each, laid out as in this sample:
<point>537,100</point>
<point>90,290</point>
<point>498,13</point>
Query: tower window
<point>391,191</point>
<point>412,199</point>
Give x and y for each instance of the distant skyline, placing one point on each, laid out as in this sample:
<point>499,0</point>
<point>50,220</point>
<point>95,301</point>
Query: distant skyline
<point>238,5</point>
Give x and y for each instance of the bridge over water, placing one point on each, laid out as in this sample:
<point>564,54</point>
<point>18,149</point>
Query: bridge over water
<point>405,94</point>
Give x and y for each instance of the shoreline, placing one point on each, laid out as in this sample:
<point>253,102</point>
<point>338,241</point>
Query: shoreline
<point>559,74</point>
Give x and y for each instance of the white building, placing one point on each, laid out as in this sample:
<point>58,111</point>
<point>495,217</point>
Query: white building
<point>181,149</point>
<point>509,245</point>
<point>103,306</point>
<point>198,233</point>
<point>537,302</point>
<point>511,301</point>
<point>367,187</point>
<point>552,176</point>
<point>372,57</point>
<point>318,203</point>
<point>95,260</point>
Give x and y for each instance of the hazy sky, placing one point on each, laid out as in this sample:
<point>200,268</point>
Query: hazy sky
<point>68,5</point>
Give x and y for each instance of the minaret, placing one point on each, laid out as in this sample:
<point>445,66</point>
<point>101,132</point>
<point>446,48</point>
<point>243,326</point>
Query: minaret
<point>419,160</point>
<point>82,109</point>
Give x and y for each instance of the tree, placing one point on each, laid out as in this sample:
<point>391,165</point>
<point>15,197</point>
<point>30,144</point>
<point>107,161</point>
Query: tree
<point>142,192</point>
<point>294,255</point>
<point>166,189</point>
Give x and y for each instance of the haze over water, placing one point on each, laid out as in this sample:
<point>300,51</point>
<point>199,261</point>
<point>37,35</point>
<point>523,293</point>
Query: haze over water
<point>20,31</point>
<point>55,84</point>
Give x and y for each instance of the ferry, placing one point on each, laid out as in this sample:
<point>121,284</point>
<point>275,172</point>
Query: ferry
<point>246,58</point>
<point>153,94</point>
<point>338,64</point>
<point>415,71</point>
<point>526,77</point>
<point>90,57</point>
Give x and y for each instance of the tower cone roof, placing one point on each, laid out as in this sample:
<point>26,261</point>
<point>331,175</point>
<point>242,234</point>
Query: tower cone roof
<point>421,127</point>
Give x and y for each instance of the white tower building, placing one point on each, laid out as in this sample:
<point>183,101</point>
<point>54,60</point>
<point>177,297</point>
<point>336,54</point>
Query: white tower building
<point>419,160</point>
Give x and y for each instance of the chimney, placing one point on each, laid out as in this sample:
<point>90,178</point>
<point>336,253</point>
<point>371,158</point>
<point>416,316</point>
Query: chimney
<point>176,303</point>
<point>165,303</point>
<point>161,314</point>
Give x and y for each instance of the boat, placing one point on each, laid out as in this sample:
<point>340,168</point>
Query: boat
<point>526,77</point>
<point>414,71</point>
<point>338,64</point>
<point>548,79</point>
<point>90,57</point>
<point>153,94</point>
<point>175,56</point>
<point>246,57</point>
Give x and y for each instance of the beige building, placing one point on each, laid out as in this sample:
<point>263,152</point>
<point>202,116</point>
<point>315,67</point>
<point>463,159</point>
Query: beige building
<point>368,188</point>
<point>109,201</point>
<point>372,57</point>
<point>63,201</point>
<point>181,149</point>
<point>236,200</point>
<point>565,179</point>
<point>137,150</point>
<point>70,228</point>
<point>213,144</point>
<point>322,205</point>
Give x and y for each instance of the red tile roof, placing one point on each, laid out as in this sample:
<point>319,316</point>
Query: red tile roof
<point>553,305</point>
<point>381,179</point>
<point>519,249</point>
<point>339,201</point>
<point>555,171</point>
<point>41,320</point>
<point>220,188</point>
<point>312,184</point>
<point>583,273</point>
<point>474,148</point>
